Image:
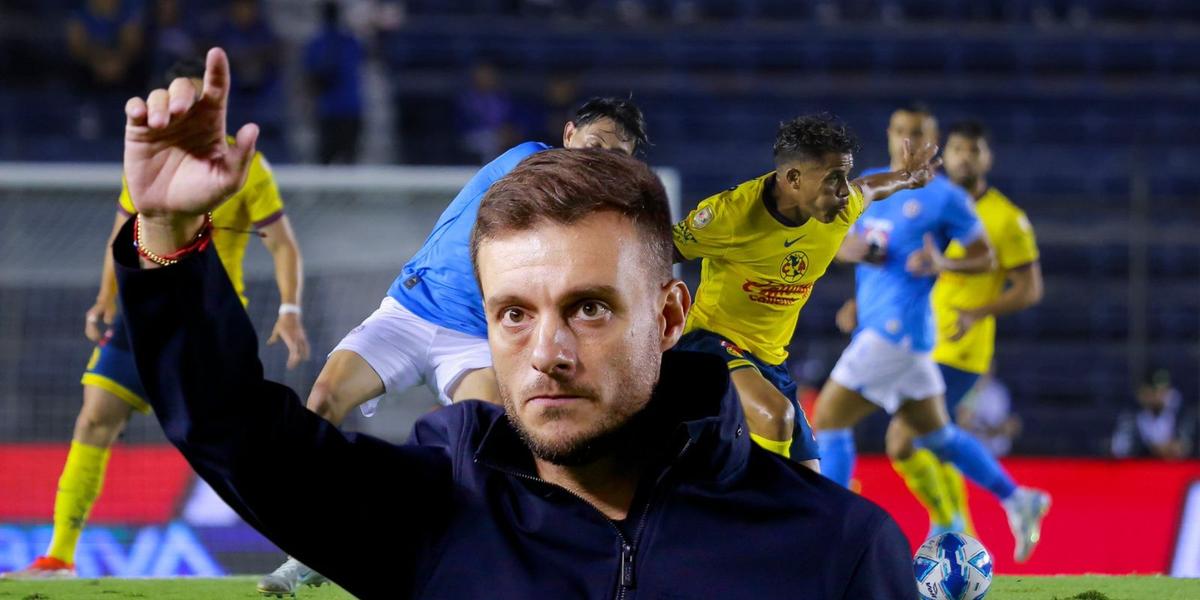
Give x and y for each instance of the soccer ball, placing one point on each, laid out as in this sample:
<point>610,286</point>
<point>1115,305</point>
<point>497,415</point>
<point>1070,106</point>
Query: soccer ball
<point>952,566</point>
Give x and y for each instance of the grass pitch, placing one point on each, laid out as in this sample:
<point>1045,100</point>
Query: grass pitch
<point>1091,587</point>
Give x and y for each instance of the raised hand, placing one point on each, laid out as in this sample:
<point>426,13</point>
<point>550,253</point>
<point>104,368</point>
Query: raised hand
<point>178,163</point>
<point>927,261</point>
<point>920,164</point>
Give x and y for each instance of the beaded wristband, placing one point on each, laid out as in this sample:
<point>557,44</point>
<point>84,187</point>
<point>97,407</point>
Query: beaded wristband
<point>201,241</point>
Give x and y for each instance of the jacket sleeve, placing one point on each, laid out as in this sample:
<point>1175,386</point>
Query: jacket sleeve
<point>315,492</point>
<point>885,570</point>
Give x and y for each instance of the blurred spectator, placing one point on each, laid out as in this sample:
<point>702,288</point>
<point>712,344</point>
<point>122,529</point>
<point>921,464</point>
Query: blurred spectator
<point>559,101</point>
<point>104,40</point>
<point>254,59</point>
<point>485,115</point>
<point>1160,428</point>
<point>987,413</point>
<point>171,37</point>
<point>333,64</point>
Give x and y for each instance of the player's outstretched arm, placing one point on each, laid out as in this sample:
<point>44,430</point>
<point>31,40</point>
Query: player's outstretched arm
<point>919,168</point>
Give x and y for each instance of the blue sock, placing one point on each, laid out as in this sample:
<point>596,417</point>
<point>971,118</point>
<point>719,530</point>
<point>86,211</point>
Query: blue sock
<point>952,445</point>
<point>837,454</point>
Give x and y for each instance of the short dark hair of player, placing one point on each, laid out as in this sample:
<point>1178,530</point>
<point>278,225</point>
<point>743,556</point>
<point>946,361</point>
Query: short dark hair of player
<point>970,129</point>
<point>811,137</point>
<point>566,186</point>
<point>917,107</point>
<point>191,68</point>
<point>622,111</point>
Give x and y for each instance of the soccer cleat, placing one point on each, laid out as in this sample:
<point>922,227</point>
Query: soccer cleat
<point>1026,508</point>
<point>43,567</point>
<point>288,577</point>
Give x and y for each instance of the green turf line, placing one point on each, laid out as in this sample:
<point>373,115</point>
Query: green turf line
<point>1092,587</point>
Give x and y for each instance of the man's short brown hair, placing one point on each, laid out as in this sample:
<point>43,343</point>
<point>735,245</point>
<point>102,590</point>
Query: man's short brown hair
<point>565,186</point>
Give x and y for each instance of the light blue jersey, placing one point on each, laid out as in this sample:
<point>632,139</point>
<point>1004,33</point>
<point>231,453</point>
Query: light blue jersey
<point>892,301</point>
<point>438,283</point>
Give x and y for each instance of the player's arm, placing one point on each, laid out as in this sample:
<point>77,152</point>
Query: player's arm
<point>706,232</point>
<point>1023,291</point>
<point>919,168</point>
<point>929,260</point>
<point>280,241</point>
<point>102,312</point>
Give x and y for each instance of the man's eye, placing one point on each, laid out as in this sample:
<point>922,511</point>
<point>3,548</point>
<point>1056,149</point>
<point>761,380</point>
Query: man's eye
<point>512,316</point>
<point>592,310</point>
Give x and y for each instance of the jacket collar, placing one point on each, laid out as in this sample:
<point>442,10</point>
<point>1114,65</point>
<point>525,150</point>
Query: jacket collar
<point>694,393</point>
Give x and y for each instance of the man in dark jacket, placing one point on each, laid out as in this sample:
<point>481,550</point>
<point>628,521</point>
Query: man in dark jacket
<point>613,470</point>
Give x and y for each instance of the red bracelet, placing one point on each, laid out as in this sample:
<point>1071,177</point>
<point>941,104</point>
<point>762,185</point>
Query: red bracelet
<point>201,241</point>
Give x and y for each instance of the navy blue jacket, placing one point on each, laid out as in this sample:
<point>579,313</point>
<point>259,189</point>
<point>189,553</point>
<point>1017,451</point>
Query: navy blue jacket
<point>459,511</point>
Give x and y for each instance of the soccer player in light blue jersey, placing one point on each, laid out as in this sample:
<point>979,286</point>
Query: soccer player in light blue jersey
<point>430,328</point>
<point>898,247</point>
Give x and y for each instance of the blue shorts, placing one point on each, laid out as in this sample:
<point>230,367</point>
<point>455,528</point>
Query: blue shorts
<point>804,443</point>
<point>958,384</point>
<point>112,368</point>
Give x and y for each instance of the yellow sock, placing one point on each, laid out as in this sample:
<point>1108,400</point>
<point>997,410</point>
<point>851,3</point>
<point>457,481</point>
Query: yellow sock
<point>922,475</point>
<point>78,487</point>
<point>783,448</point>
<point>956,489</point>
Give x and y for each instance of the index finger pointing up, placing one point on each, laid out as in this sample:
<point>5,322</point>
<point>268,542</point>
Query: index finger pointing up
<point>216,77</point>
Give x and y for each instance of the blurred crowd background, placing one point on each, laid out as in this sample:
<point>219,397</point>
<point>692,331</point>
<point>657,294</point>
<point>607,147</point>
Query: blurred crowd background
<point>1092,106</point>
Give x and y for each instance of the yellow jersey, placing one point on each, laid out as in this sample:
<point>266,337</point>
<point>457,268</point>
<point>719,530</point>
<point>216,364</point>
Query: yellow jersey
<point>1015,246</point>
<point>256,205</point>
<point>758,270</point>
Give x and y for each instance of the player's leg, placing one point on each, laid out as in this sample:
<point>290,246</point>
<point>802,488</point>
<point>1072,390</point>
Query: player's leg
<point>101,420</point>
<point>111,391</point>
<point>477,384</point>
<point>945,501</point>
<point>1025,507</point>
<point>839,409</point>
<point>959,383</point>
<point>770,416</point>
<point>922,472</point>
<point>388,352</point>
<point>861,382</point>
<point>346,381</point>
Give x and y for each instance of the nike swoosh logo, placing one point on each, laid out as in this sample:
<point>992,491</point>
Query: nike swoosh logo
<point>788,244</point>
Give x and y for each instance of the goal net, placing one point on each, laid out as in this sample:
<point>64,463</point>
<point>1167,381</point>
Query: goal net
<point>356,226</point>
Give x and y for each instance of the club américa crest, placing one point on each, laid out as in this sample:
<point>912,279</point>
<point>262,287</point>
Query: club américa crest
<point>794,266</point>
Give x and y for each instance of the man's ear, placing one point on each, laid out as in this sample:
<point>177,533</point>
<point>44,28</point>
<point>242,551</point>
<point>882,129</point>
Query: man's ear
<point>676,304</point>
<point>568,133</point>
<point>792,176</point>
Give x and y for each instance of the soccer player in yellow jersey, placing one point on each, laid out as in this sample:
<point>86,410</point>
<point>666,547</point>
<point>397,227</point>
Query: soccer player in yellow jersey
<point>965,308</point>
<point>111,388</point>
<point>764,244</point>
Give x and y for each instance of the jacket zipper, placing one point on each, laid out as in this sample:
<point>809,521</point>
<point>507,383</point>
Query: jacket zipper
<point>628,548</point>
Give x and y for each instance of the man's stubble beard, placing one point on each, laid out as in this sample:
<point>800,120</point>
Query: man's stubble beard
<point>622,430</point>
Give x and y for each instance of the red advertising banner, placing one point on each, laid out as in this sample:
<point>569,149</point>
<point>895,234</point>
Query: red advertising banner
<point>1107,516</point>
<point>143,484</point>
<point>153,519</point>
